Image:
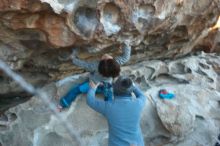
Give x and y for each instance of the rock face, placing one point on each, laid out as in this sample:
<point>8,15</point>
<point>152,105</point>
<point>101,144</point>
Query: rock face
<point>37,35</point>
<point>190,119</point>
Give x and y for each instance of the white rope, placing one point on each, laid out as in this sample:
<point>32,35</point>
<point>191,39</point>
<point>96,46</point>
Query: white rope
<point>43,95</point>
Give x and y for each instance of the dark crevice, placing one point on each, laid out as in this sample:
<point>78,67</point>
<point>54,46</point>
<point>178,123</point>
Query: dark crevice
<point>12,99</point>
<point>204,65</point>
<point>200,117</point>
<point>169,79</point>
<point>207,48</point>
<point>188,70</point>
<point>3,128</point>
<point>12,117</point>
<point>180,34</point>
<point>210,80</point>
<point>199,71</point>
<point>35,44</point>
<point>160,140</point>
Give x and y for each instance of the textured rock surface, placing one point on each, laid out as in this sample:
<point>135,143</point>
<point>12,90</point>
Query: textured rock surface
<point>190,119</point>
<point>37,35</point>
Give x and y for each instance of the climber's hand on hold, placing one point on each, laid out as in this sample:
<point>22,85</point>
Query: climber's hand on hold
<point>74,53</point>
<point>127,42</point>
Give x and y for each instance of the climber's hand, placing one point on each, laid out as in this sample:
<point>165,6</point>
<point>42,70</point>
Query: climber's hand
<point>127,42</point>
<point>93,85</point>
<point>74,53</point>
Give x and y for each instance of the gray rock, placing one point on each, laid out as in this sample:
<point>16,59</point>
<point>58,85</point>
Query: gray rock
<point>191,118</point>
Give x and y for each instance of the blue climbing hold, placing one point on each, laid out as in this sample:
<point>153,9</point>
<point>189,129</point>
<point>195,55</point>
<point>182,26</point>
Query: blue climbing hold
<point>164,94</point>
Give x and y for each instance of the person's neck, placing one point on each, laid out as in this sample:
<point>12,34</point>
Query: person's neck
<point>124,96</point>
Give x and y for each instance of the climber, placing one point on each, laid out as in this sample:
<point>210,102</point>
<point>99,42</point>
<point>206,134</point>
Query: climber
<point>103,71</point>
<point>123,113</point>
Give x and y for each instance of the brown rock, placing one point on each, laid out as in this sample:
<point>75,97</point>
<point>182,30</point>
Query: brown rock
<point>37,35</point>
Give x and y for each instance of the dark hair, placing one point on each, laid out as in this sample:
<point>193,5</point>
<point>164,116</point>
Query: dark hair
<point>109,68</point>
<point>123,86</point>
<point>126,83</point>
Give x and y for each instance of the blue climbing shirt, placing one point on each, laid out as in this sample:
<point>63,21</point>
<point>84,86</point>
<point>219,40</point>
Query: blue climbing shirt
<point>123,115</point>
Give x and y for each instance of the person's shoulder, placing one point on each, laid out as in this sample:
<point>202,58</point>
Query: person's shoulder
<point>111,103</point>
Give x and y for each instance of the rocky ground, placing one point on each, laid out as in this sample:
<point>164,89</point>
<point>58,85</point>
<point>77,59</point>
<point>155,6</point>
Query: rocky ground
<point>190,119</point>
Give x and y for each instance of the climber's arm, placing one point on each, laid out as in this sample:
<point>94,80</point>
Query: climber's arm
<point>139,94</point>
<point>126,53</point>
<point>89,66</point>
<point>96,104</point>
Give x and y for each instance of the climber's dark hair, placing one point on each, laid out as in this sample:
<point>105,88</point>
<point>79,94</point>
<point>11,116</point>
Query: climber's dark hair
<point>109,68</point>
<point>126,83</point>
